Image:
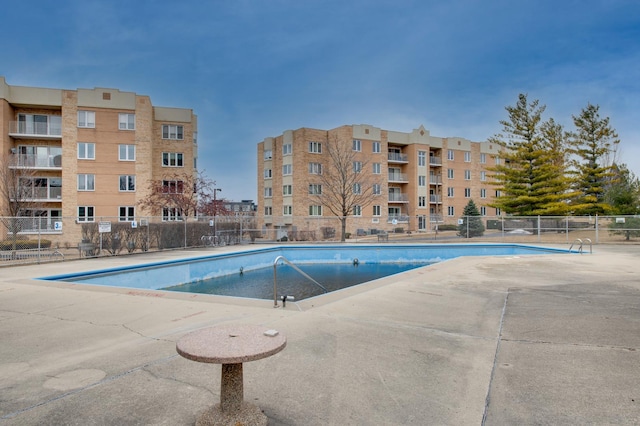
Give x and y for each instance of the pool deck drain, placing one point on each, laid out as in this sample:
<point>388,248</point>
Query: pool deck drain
<point>545,339</point>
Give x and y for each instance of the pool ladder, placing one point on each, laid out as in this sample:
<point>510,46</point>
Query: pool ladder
<point>275,278</point>
<point>580,245</point>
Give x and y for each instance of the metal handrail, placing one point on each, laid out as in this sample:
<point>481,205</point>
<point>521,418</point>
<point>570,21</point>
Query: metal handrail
<point>581,243</point>
<point>275,278</point>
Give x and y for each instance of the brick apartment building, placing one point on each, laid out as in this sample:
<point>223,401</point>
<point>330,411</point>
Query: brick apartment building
<point>90,153</point>
<point>420,180</point>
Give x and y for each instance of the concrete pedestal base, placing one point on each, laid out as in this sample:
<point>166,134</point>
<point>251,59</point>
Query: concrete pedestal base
<point>247,415</point>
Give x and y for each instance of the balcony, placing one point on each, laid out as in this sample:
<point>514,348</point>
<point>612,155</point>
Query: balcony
<point>398,218</point>
<point>37,127</point>
<point>398,198</point>
<point>395,157</point>
<point>435,180</point>
<point>37,161</point>
<point>398,177</point>
<point>41,194</point>
<point>435,199</point>
<point>435,161</point>
<point>435,218</point>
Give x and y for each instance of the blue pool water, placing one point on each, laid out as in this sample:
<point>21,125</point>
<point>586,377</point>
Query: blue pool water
<point>258,284</point>
<point>191,271</point>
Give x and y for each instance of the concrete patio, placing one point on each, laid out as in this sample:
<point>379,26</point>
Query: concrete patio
<point>548,339</point>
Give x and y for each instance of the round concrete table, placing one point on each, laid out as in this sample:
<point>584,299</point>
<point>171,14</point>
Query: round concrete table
<point>231,345</point>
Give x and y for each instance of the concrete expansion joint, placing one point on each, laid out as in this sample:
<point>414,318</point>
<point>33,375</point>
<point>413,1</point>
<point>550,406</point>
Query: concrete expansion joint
<point>157,339</point>
<point>581,345</point>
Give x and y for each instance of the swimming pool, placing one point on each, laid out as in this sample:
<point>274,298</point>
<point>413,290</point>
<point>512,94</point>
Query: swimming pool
<point>159,275</point>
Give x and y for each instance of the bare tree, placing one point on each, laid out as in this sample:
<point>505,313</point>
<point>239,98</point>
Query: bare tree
<point>16,195</point>
<point>347,184</point>
<point>182,193</point>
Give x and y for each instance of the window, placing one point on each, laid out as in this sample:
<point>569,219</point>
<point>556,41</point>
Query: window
<point>357,166</point>
<point>287,189</point>
<point>422,158</point>
<point>315,189</point>
<point>376,147</point>
<point>377,168</point>
<point>315,210</point>
<point>450,155</point>
<point>126,121</point>
<point>357,210</point>
<point>86,151</point>
<point>422,201</point>
<point>449,173</point>
<point>267,173</point>
<point>483,211</point>
<point>172,131</point>
<point>315,168</point>
<point>498,212</point>
<point>127,183</point>
<point>171,214</point>
<point>467,175</point>
<point>498,193</point>
<point>315,147</point>
<point>377,189</point>
<point>127,152</point>
<point>287,210</point>
<point>467,156</point>
<point>172,187</point>
<point>268,211</point>
<point>483,193</point>
<point>38,124</point>
<point>483,176</point>
<point>86,182</point>
<point>467,193</point>
<point>87,119</point>
<point>451,211</point>
<point>286,149</point>
<point>357,145</point>
<point>422,180</point>
<point>449,192</point>
<point>172,159</point>
<point>268,192</point>
<point>497,161</point>
<point>357,190</point>
<point>127,214</point>
<point>376,210</point>
<point>268,154</point>
<point>483,158</point>
<point>287,169</point>
<point>85,214</point>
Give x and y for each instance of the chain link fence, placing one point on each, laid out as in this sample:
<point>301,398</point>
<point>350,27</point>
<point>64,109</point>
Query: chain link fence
<point>43,239</point>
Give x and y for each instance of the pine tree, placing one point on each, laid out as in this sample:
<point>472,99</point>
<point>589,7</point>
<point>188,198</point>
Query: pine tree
<point>594,144</point>
<point>471,223</point>
<point>531,179</point>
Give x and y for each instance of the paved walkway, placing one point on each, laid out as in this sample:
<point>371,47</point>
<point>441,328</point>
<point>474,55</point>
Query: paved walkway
<point>550,339</point>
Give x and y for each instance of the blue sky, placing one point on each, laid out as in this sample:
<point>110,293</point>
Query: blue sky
<point>252,69</point>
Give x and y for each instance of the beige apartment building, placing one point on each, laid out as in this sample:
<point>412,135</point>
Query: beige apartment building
<point>88,155</point>
<point>419,180</point>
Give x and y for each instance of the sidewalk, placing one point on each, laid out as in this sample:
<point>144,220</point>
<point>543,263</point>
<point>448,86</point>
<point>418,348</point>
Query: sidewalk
<point>550,339</point>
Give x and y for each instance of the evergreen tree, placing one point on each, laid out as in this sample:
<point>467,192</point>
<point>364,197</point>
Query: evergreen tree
<point>623,193</point>
<point>594,144</point>
<point>531,179</point>
<point>471,224</point>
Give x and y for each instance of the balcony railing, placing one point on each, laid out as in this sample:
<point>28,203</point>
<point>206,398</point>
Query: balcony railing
<point>398,177</point>
<point>50,128</point>
<point>435,180</point>
<point>37,161</point>
<point>435,198</point>
<point>398,218</point>
<point>53,193</point>
<point>398,198</point>
<point>395,157</point>
<point>435,161</point>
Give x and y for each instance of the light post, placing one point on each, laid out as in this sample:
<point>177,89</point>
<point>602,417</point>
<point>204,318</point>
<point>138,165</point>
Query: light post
<point>215,214</point>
